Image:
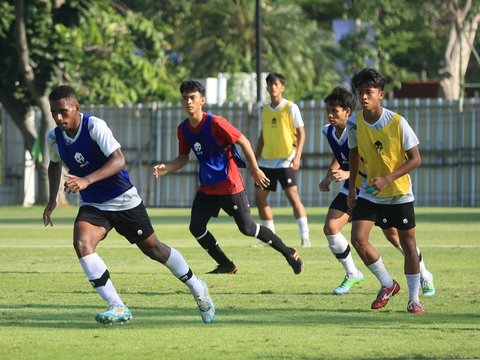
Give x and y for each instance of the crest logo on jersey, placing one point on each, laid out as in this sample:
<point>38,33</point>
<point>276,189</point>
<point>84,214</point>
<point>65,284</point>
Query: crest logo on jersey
<point>81,161</point>
<point>378,146</point>
<point>274,122</point>
<point>198,148</point>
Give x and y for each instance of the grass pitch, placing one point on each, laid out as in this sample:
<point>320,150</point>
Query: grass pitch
<point>47,306</point>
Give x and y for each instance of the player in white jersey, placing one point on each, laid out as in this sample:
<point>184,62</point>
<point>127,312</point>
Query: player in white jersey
<point>86,146</point>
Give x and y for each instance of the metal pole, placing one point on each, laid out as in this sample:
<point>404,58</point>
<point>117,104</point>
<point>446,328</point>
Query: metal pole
<point>258,25</point>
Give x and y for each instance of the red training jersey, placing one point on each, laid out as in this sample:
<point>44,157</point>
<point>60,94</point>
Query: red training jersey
<point>225,134</point>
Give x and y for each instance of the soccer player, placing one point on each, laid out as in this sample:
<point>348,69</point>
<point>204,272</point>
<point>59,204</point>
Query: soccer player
<point>388,147</point>
<point>212,138</point>
<point>87,147</point>
<point>340,104</point>
<point>279,151</point>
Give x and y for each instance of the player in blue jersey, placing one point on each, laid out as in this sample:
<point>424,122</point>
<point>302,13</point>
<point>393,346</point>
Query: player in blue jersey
<point>340,104</point>
<point>95,163</point>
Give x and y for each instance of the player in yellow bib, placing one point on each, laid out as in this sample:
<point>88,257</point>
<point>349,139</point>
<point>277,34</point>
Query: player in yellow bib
<point>389,149</point>
<point>279,151</point>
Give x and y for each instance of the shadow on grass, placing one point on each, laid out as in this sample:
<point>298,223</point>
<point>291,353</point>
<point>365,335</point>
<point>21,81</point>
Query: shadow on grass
<point>61,316</point>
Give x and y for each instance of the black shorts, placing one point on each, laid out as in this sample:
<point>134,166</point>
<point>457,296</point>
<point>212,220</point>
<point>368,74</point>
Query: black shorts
<point>211,204</point>
<point>285,176</point>
<point>400,216</point>
<point>340,203</point>
<point>133,224</point>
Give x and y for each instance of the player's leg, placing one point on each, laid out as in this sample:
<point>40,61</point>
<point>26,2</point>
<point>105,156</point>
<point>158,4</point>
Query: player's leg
<point>91,226</point>
<point>363,219</point>
<point>261,199</point>
<point>177,265</point>
<point>426,277</point>
<point>338,244</point>
<point>289,184</point>
<point>203,208</point>
<point>403,218</point>
<point>237,206</point>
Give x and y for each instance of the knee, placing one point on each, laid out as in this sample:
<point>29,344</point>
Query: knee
<point>328,229</point>
<point>83,246</point>
<point>248,229</point>
<point>197,230</point>
<point>357,243</point>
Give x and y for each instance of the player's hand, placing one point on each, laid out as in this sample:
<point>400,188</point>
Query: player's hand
<point>325,184</point>
<point>159,170</point>
<point>47,219</point>
<point>296,164</point>
<point>351,199</point>
<point>74,184</point>
<point>339,175</point>
<point>377,184</point>
<point>261,180</point>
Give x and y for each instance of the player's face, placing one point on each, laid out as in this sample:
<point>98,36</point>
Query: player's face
<point>66,113</point>
<point>337,115</point>
<point>192,102</point>
<point>370,97</point>
<point>275,88</point>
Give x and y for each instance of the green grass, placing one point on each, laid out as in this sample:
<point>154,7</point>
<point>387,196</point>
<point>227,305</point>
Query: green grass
<point>47,307</point>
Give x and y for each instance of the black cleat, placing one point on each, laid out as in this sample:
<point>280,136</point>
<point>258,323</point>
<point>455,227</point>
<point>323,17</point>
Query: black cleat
<point>220,269</point>
<point>295,262</point>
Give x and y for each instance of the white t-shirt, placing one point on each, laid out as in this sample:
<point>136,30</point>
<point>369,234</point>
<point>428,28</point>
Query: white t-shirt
<point>102,135</point>
<point>297,123</point>
<point>409,140</point>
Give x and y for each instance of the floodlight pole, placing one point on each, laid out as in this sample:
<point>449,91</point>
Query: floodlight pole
<point>258,25</point>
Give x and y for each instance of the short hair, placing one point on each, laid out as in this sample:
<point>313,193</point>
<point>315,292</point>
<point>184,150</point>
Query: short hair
<point>275,76</point>
<point>341,97</point>
<point>189,86</point>
<point>62,92</point>
<point>369,77</point>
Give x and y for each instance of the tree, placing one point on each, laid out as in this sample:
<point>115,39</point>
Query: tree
<point>409,37</point>
<point>108,53</point>
<point>220,37</point>
<point>464,20</point>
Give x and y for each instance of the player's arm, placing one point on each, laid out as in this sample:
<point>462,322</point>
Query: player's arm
<point>300,144</point>
<point>413,161</point>
<point>354,163</point>
<point>162,169</point>
<point>114,164</point>
<point>325,183</point>
<point>259,148</point>
<point>54,175</point>
<point>257,174</point>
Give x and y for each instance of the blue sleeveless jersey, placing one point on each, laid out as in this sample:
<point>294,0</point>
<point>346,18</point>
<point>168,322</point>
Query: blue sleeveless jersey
<point>340,150</point>
<point>212,158</point>
<point>83,157</point>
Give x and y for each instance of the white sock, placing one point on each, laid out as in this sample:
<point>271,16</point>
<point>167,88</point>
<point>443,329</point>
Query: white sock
<point>94,267</point>
<point>302,223</point>
<point>413,282</point>
<point>269,224</point>
<point>378,269</point>
<point>424,273</point>
<point>338,244</point>
<point>179,268</point>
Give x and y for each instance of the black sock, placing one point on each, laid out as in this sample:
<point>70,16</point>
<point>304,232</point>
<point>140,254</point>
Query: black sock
<point>209,243</point>
<point>267,236</point>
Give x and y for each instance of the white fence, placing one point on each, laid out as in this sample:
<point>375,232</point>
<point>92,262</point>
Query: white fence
<point>449,145</point>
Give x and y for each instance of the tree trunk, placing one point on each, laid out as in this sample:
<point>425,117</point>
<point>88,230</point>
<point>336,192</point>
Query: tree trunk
<point>40,99</point>
<point>459,48</point>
